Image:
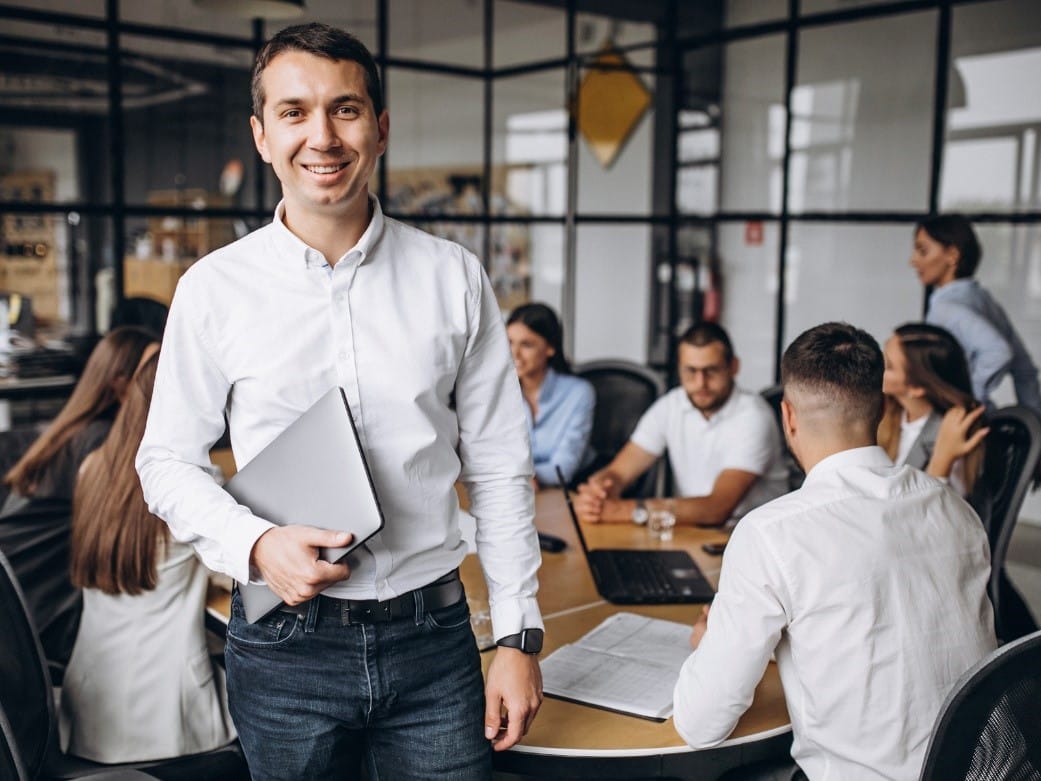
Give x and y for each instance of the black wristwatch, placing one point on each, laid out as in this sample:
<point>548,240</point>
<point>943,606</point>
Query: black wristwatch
<point>527,640</point>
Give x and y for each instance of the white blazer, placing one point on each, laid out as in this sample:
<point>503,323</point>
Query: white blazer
<point>140,684</point>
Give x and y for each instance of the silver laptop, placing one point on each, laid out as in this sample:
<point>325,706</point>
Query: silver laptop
<point>313,474</point>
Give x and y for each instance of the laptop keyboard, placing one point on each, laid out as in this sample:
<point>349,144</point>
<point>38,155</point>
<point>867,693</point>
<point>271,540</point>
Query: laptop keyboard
<point>643,574</point>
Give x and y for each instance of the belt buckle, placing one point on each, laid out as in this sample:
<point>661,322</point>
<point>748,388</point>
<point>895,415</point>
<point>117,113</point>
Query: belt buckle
<point>345,612</point>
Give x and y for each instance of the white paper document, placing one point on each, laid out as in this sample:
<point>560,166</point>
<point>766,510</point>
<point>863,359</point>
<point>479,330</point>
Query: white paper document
<point>629,664</point>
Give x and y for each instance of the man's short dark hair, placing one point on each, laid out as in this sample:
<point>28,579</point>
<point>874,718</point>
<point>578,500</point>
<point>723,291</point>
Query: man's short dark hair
<point>841,363</point>
<point>321,40</point>
<point>704,334</point>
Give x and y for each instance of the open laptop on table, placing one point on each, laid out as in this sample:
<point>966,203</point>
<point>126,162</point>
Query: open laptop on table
<point>642,577</point>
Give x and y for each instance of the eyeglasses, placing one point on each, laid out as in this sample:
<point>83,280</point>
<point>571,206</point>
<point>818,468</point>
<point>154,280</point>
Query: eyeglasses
<point>708,372</point>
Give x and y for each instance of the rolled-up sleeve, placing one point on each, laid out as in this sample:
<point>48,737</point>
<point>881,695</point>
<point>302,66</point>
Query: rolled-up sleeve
<point>185,419</point>
<point>717,683</point>
<point>496,466</point>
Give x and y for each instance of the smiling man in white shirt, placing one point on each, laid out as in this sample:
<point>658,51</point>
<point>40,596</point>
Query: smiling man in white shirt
<point>372,659</point>
<point>868,584</point>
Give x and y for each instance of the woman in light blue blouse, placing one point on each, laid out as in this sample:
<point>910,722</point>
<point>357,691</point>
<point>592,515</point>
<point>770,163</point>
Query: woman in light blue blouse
<point>559,405</point>
<point>946,254</point>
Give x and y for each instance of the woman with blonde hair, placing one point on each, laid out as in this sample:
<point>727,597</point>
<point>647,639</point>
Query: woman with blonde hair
<point>36,516</point>
<point>931,420</point>
<point>140,684</point>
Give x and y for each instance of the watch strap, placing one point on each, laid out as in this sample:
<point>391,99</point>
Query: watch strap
<point>527,640</point>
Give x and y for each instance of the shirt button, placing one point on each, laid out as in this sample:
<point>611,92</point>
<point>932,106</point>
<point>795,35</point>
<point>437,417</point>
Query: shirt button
<point>343,356</point>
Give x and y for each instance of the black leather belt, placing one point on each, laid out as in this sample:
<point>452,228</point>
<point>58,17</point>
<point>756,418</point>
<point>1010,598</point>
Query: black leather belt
<point>444,591</point>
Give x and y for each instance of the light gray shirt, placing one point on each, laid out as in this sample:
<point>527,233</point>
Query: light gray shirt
<point>991,344</point>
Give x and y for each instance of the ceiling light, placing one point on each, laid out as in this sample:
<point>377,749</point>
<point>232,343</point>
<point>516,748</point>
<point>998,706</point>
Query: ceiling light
<point>255,9</point>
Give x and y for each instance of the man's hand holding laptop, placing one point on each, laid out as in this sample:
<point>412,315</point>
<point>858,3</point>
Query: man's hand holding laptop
<point>287,558</point>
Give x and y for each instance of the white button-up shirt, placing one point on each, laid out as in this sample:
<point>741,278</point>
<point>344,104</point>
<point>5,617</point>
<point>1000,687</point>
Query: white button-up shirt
<point>869,583</point>
<point>408,326</point>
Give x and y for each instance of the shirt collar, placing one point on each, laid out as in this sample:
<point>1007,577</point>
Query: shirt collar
<point>549,383</point>
<point>872,457</point>
<point>720,414</point>
<point>289,245</point>
<point>953,287</point>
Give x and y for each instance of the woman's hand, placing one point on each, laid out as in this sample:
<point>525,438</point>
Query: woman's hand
<point>954,441</point>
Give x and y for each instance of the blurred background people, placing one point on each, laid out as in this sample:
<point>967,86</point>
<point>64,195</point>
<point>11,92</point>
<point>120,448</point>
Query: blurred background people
<point>946,255</point>
<point>559,405</point>
<point>931,419</point>
<point>36,515</point>
<point>140,684</point>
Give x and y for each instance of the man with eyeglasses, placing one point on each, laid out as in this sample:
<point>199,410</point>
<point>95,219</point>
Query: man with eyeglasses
<point>723,443</point>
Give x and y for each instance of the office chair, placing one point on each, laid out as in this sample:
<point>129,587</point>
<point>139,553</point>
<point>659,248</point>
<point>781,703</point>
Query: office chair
<point>11,767</point>
<point>1013,450</point>
<point>13,444</point>
<point>30,723</point>
<point>773,395</point>
<point>624,391</point>
<point>34,538</point>
<point>989,728</point>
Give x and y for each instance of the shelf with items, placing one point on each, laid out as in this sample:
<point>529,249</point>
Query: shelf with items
<point>172,243</point>
<point>31,260</point>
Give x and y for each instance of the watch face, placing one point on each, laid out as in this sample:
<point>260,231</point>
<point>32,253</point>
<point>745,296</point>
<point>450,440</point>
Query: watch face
<point>532,641</point>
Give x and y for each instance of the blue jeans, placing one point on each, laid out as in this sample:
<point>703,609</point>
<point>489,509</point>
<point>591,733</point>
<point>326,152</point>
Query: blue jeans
<point>312,699</point>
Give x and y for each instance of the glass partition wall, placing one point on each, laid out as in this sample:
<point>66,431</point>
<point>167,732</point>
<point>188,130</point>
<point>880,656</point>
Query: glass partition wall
<point>638,166</point>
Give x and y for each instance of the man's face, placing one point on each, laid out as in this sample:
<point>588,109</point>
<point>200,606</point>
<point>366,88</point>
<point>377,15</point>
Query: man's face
<point>320,133</point>
<point>706,375</point>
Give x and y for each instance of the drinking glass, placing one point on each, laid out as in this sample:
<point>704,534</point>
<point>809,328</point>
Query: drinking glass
<point>661,522</point>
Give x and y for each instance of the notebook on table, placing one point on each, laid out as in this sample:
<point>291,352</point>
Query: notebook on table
<point>313,474</point>
<point>642,577</point>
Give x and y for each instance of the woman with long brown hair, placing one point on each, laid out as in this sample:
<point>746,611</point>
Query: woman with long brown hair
<point>140,684</point>
<point>49,466</point>
<point>931,420</point>
<point>36,516</point>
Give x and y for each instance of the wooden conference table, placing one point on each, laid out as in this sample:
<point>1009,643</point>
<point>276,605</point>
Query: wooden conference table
<point>578,741</point>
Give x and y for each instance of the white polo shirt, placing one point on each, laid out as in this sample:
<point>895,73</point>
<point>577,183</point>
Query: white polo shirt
<point>743,434</point>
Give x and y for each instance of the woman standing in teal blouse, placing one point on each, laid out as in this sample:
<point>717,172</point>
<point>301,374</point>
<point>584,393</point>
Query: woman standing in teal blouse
<point>559,405</point>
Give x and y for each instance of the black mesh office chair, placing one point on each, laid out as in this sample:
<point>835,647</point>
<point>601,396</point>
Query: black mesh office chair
<point>34,538</point>
<point>624,391</point>
<point>989,729</point>
<point>773,395</point>
<point>13,444</point>
<point>1013,450</point>
<point>28,707</point>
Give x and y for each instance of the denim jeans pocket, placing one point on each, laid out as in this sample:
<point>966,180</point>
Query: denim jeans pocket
<point>273,630</point>
<point>449,618</point>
